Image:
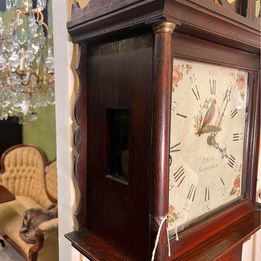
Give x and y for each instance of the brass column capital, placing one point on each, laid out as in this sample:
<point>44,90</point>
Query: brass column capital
<point>164,27</point>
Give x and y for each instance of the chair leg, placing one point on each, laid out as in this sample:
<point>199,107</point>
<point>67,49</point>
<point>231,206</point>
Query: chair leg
<point>2,242</point>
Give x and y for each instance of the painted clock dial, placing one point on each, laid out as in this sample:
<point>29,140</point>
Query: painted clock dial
<point>208,119</point>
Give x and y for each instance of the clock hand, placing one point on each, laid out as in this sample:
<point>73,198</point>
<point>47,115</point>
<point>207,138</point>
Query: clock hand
<point>212,142</point>
<point>208,117</point>
<point>223,107</point>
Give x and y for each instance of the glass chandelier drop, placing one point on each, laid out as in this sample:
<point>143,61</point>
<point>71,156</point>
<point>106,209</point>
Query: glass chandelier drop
<point>26,60</point>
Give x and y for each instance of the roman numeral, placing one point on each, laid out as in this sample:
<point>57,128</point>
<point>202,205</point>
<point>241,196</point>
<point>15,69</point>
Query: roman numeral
<point>181,115</point>
<point>178,176</point>
<point>196,92</point>
<point>213,86</point>
<point>237,136</point>
<point>181,180</point>
<point>231,161</point>
<point>234,113</point>
<point>175,148</point>
<point>222,181</point>
<point>171,187</point>
<point>195,87</point>
<point>173,105</point>
<point>207,195</point>
<point>224,188</point>
<point>192,192</point>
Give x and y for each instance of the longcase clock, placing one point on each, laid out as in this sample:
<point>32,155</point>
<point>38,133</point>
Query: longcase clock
<point>169,121</point>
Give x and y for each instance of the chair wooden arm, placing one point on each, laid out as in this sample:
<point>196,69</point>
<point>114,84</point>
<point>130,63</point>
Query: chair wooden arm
<point>43,247</point>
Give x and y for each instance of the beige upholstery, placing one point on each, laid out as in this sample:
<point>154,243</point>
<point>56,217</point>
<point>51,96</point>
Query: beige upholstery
<point>51,181</point>
<point>23,173</point>
<point>50,231</point>
<point>11,216</point>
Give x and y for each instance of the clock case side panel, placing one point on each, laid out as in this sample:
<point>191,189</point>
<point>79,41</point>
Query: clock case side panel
<point>190,48</point>
<point>115,75</point>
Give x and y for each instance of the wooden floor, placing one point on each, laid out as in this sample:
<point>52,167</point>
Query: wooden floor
<point>8,253</point>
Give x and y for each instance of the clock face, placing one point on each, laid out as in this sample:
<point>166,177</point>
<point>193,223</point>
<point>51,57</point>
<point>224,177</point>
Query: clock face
<point>208,118</point>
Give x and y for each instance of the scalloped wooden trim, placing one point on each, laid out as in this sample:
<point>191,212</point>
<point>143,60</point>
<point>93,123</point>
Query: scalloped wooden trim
<point>81,134</point>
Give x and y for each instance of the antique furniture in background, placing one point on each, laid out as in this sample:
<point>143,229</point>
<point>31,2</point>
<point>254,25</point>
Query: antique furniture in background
<point>24,172</point>
<point>5,196</point>
<point>51,181</point>
<point>169,120</point>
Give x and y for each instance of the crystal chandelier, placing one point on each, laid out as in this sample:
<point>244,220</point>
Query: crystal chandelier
<point>26,60</point>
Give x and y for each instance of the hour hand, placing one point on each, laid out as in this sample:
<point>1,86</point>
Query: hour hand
<point>223,107</point>
<point>212,142</point>
<point>208,129</point>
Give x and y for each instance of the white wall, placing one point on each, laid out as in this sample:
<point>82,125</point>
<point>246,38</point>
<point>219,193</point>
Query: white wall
<point>64,52</point>
<point>64,121</point>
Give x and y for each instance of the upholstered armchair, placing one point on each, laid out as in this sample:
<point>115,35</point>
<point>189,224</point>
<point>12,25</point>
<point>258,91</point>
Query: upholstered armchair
<point>51,181</point>
<point>24,170</point>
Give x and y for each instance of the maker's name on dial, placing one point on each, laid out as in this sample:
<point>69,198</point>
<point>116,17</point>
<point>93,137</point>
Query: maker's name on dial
<point>207,163</point>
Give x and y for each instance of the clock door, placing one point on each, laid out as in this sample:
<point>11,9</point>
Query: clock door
<point>214,133</point>
<point>207,138</point>
<point>118,126</point>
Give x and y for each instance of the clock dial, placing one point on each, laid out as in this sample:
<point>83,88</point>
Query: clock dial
<point>208,115</point>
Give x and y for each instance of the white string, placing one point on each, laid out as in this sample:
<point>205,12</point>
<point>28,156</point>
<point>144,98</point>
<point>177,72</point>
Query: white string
<point>163,220</point>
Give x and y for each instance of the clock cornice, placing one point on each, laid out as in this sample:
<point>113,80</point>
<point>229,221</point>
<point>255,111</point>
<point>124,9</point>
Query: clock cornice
<point>99,19</point>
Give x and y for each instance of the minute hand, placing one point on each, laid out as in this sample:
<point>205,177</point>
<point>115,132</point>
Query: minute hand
<point>223,106</point>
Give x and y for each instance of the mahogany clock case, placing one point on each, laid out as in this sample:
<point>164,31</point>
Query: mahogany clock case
<point>116,211</point>
<point>119,80</point>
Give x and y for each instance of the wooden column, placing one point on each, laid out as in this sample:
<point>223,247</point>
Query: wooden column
<point>160,132</point>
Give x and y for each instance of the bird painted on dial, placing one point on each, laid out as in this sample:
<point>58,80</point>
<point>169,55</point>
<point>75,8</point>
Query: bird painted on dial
<point>209,116</point>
